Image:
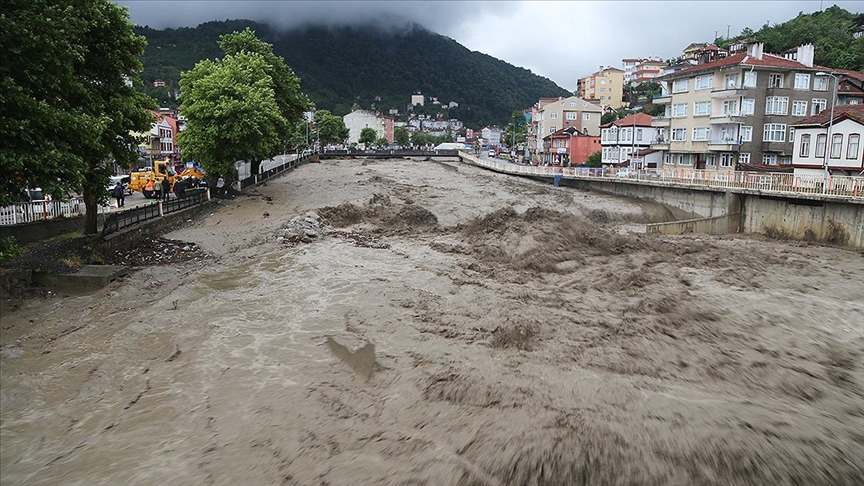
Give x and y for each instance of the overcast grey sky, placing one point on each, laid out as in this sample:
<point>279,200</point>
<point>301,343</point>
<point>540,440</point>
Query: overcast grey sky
<point>562,40</point>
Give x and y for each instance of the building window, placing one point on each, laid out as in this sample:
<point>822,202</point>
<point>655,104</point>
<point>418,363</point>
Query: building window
<point>679,110</point>
<point>750,79</point>
<point>726,160</point>
<point>586,116</point>
<point>746,134</point>
<point>774,132</point>
<point>638,134</point>
<point>853,102</point>
<point>602,90</point>
<point>792,134</point>
<point>571,116</point>
<point>701,108</point>
<point>820,145</point>
<point>799,108</point>
<point>668,159</point>
<point>602,81</point>
<point>685,159</point>
<point>712,160</point>
<point>852,147</point>
<point>744,158</point>
<point>679,86</point>
<point>730,81</point>
<point>679,134</point>
<point>836,145</point>
<point>552,129</point>
<point>748,106</point>
<point>802,81</point>
<point>700,134</point>
<point>573,104</point>
<point>704,82</point>
<point>817,106</point>
<point>553,115</point>
<point>730,107</point>
<point>776,105</point>
<point>775,80</point>
<point>805,146</point>
<point>820,83</point>
<point>769,159</point>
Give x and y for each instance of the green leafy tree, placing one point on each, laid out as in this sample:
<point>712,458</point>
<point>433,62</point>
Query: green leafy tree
<point>232,113</point>
<point>594,160</point>
<point>69,108</point>
<point>401,136</point>
<point>291,102</point>
<point>382,142</point>
<point>367,136</point>
<point>330,128</point>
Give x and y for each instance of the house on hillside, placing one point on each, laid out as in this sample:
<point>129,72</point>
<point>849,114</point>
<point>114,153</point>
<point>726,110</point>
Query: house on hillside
<point>606,85</point>
<point>553,114</point>
<point>840,151</point>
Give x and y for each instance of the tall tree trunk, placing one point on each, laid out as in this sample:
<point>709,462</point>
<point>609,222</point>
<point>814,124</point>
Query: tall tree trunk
<point>91,215</point>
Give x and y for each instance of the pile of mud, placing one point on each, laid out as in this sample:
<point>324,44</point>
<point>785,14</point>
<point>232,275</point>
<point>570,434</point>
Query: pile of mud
<point>542,240</point>
<point>381,212</point>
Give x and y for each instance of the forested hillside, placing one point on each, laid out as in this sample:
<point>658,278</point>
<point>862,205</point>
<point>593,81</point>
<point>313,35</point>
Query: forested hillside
<point>830,31</point>
<point>348,65</point>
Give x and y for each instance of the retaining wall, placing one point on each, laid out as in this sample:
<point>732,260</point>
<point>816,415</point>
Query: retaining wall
<point>40,230</point>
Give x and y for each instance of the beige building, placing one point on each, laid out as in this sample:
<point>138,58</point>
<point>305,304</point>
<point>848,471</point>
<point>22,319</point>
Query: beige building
<point>553,114</point>
<point>606,86</point>
<point>738,109</point>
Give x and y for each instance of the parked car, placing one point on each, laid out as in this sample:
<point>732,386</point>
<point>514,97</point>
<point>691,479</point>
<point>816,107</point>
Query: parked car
<point>492,153</point>
<point>123,179</point>
<point>627,174</point>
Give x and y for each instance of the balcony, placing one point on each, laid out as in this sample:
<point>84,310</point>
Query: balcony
<point>723,145</point>
<point>661,99</point>
<point>660,143</point>
<point>729,91</point>
<point>660,121</point>
<point>730,117</point>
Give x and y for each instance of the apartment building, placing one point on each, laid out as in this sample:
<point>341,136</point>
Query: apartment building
<point>357,120</point>
<point>840,151</point>
<point>557,113</point>
<point>638,70</point>
<point>738,109</point>
<point>606,86</point>
<point>621,138</point>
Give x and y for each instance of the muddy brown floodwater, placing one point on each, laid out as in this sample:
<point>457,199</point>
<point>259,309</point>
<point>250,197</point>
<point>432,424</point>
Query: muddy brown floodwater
<point>449,326</point>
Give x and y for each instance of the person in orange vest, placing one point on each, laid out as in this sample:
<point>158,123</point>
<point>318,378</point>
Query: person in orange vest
<point>150,186</point>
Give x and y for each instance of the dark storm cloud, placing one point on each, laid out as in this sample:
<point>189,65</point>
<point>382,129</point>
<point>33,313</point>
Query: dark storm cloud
<point>438,16</point>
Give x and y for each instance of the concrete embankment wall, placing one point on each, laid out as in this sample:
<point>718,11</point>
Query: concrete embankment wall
<point>710,211</point>
<point>801,219</point>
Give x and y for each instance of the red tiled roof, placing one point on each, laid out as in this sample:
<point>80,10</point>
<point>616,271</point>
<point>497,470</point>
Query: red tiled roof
<point>856,112</point>
<point>640,119</point>
<point>852,74</point>
<point>743,59</point>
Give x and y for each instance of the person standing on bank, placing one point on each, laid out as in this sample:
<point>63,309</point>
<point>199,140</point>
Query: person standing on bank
<point>166,189</point>
<point>220,186</point>
<point>119,194</point>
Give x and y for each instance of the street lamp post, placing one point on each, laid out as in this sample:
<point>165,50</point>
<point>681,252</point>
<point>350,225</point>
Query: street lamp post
<point>825,171</point>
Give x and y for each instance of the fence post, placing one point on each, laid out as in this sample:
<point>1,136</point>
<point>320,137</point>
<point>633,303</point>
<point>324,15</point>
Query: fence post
<point>161,213</point>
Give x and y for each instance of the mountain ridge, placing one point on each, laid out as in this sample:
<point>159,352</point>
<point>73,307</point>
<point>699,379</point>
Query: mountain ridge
<point>347,65</point>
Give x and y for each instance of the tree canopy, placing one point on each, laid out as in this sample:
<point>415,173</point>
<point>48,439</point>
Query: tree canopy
<point>244,106</point>
<point>68,110</point>
<point>367,135</point>
<point>330,128</point>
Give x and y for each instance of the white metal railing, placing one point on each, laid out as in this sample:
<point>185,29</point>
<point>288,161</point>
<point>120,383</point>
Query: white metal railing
<point>763,182</point>
<point>27,212</point>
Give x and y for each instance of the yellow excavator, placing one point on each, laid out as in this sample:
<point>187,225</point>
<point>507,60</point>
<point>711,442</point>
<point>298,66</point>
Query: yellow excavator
<point>161,169</point>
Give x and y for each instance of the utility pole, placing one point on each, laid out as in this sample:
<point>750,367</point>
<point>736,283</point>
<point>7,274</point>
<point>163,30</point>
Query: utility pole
<point>727,30</point>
